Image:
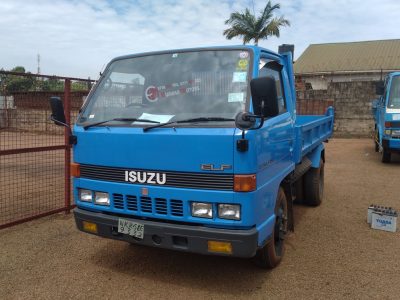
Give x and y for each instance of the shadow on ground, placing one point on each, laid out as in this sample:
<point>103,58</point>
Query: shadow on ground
<point>220,274</point>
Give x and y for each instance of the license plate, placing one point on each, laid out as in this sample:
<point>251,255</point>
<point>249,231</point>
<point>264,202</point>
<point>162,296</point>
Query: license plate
<point>131,228</point>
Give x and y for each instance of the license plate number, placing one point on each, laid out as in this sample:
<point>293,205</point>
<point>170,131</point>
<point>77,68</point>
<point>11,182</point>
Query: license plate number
<point>131,228</point>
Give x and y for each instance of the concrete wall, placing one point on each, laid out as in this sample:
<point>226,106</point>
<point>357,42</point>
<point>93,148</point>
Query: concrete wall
<point>32,120</point>
<point>352,102</point>
<point>30,111</point>
<point>321,82</point>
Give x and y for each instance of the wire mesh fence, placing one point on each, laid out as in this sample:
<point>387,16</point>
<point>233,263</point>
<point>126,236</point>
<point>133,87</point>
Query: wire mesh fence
<point>34,153</point>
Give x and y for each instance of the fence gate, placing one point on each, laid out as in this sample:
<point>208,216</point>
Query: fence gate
<point>34,153</point>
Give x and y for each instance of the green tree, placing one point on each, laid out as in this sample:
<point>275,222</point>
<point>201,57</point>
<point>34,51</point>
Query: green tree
<point>51,84</point>
<point>249,27</point>
<point>15,83</point>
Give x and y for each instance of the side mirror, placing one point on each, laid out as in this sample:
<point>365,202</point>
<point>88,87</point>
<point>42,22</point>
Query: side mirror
<point>245,120</point>
<point>265,97</point>
<point>57,111</point>
<point>375,103</point>
<point>379,89</point>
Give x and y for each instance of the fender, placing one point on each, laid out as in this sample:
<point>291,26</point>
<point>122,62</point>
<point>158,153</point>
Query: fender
<point>316,154</point>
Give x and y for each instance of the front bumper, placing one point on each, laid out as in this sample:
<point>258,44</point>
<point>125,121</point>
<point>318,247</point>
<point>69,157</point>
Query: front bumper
<point>392,145</point>
<point>188,238</point>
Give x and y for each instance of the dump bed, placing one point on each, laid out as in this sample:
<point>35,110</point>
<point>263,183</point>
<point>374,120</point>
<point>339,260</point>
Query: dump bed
<point>311,131</point>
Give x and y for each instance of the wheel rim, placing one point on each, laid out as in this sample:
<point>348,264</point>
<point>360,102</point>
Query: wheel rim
<point>280,228</point>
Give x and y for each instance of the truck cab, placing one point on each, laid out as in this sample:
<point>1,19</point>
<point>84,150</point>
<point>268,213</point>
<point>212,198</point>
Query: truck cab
<point>197,150</point>
<point>386,111</point>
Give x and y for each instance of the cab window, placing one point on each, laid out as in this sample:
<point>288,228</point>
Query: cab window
<point>266,69</point>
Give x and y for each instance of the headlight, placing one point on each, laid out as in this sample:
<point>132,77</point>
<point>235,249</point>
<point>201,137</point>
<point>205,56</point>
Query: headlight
<point>101,198</point>
<point>85,195</point>
<point>229,211</point>
<point>388,132</point>
<point>202,210</point>
<point>396,133</point>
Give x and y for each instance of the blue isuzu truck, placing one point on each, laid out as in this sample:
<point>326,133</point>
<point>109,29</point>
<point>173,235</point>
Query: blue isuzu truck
<point>386,111</point>
<point>197,150</point>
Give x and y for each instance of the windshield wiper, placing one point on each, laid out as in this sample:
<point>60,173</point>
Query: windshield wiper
<point>120,120</point>
<point>193,120</point>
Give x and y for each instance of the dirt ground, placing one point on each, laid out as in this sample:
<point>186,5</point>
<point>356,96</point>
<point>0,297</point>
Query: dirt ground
<point>332,253</point>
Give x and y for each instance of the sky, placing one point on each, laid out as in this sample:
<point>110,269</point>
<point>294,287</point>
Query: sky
<point>79,37</point>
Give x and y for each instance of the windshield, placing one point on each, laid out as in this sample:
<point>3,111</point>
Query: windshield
<point>173,86</point>
<point>394,96</point>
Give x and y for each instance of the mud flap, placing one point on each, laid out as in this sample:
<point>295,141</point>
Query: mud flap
<point>287,187</point>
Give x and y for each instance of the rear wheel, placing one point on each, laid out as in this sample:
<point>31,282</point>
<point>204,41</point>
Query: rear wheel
<point>271,254</point>
<point>386,156</point>
<point>314,185</point>
<point>298,185</point>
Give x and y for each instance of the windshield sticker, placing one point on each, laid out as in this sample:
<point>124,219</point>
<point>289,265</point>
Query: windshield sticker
<point>155,118</point>
<point>151,93</point>
<point>235,97</point>
<point>175,55</point>
<point>91,116</point>
<point>242,64</point>
<point>239,77</point>
<point>243,54</point>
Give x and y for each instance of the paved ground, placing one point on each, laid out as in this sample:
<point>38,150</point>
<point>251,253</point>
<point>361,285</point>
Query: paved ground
<point>332,254</point>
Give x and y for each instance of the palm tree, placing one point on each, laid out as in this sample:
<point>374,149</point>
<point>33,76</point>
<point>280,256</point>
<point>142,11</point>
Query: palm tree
<point>247,26</point>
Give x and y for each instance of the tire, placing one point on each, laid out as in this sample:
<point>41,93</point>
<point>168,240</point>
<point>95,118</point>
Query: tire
<point>298,185</point>
<point>314,185</point>
<point>386,156</point>
<point>271,254</point>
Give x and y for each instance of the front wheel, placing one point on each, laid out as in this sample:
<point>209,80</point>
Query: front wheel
<point>386,156</point>
<point>271,254</point>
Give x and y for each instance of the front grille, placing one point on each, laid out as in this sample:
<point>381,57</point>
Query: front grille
<point>161,206</point>
<point>131,203</point>
<point>148,205</point>
<point>208,181</point>
<point>118,201</point>
<point>176,208</point>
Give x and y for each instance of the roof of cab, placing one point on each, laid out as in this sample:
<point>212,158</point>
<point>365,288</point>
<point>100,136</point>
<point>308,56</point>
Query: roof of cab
<point>256,50</point>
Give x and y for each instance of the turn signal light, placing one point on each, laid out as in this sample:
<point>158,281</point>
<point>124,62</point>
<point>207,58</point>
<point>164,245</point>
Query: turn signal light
<point>245,183</point>
<point>75,170</point>
<point>89,227</point>
<point>220,247</point>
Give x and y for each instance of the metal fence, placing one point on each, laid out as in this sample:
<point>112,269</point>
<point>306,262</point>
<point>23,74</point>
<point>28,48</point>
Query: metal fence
<point>34,153</point>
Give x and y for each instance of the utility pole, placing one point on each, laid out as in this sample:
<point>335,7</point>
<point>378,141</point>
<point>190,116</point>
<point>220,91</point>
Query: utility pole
<point>38,63</point>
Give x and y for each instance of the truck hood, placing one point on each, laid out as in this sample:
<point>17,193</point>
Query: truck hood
<point>168,149</point>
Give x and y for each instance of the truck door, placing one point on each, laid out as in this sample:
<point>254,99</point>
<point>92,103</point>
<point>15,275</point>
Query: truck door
<point>278,132</point>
